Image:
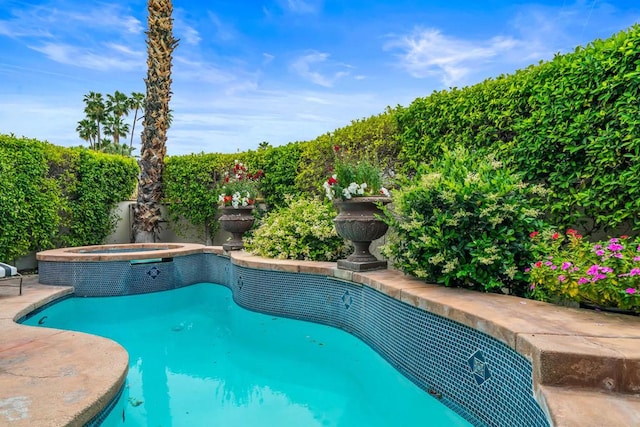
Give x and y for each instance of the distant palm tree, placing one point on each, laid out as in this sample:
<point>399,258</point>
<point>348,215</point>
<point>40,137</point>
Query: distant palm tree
<point>136,103</point>
<point>95,111</point>
<point>117,107</point>
<point>160,46</point>
<point>115,127</point>
<point>88,131</point>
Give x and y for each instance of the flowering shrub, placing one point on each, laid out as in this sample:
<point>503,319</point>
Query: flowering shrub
<point>301,230</point>
<point>604,273</point>
<point>465,222</point>
<point>239,187</point>
<point>354,179</point>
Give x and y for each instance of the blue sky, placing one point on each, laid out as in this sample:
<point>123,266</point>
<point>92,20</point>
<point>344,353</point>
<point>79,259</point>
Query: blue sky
<point>248,71</point>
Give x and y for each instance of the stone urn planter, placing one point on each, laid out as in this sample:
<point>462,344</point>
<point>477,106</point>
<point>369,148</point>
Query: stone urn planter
<point>358,221</point>
<point>236,221</point>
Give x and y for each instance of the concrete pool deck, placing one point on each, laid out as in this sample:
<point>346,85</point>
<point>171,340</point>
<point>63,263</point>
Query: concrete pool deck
<point>586,364</point>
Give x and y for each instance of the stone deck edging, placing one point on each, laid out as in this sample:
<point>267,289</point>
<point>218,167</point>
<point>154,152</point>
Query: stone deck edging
<point>52,377</point>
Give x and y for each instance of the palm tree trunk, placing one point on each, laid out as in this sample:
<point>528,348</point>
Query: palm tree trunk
<point>160,46</point>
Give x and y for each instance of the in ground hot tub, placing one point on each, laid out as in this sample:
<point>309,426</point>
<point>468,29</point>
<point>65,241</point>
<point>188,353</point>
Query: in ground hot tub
<point>127,269</point>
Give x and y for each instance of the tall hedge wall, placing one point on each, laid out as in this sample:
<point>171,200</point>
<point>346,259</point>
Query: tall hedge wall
<point>52,196</point>
<point>572,123</point>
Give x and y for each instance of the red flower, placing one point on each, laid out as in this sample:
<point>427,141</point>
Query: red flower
<point>332,181</point>
<point>538,264</point>
<point>555,236</point>
<point>228,199</point>
<point>534,234</point>
<point>624,236</point>
<point>336,148</point>
<point>572,232</point>
<point>578,236</point>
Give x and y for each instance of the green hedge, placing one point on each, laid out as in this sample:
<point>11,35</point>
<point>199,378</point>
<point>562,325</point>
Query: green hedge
<point>572,123</point>
<point>191,188</point>
<point>52,196</point>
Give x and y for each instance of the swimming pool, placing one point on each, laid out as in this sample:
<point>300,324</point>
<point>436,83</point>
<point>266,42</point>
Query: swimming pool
<point>197,358</point>
<point>477,375</point>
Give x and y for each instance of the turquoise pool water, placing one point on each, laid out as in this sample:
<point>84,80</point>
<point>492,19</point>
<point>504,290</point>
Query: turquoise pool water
<point>198,359</point>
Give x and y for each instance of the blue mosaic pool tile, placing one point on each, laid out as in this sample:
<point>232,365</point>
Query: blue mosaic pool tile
<point>474,374</point>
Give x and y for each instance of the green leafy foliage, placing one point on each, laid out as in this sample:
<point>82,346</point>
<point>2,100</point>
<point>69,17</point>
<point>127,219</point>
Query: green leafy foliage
<point>281,169</point>
<point>572,123</point>
<point>191,188</point>
<point>465,222</point>
<point>55,196</point>
<point>103,180</point>
<point>29,199</point>
<point>301,230</point>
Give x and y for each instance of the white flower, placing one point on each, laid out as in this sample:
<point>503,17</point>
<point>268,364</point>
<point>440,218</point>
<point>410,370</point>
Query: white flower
<point>353,188</point>
<point>385,192</point>
<point>346,194</point>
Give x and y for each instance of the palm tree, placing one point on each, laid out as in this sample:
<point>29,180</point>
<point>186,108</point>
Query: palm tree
<point>95,111</point>
<point>88,131</point>
<point>136,103</point>
<point>117,106</point>
<point>160,46</point>
<point>114,126</point>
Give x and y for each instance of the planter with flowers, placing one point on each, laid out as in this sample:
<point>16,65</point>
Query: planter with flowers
<point>358,194</point>
<point>237,201</point>
<point>604,275</point>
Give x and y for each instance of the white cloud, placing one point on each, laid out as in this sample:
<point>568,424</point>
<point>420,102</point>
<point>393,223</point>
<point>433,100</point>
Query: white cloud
<point>109,56</point>
<point>223,30</point>
<point>307,67</point>
<point>428,52</point>
<point>301,6</point>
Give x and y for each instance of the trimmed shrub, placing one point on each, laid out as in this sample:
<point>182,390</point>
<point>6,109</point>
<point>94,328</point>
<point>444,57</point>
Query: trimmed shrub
<point>465,222</point>
<point>301,230</point>
<point>29,200</point>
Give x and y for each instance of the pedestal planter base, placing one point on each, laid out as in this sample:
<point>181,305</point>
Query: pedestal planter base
<point>359,221</point>
<point>236,221</point>
<point>345,264</point>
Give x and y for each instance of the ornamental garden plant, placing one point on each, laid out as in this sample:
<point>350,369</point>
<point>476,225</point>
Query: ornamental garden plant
<point>570,268</point>
<point>464,221</point>
<point>240,187</point>
<point>302,229</point>
<point>353,178</point>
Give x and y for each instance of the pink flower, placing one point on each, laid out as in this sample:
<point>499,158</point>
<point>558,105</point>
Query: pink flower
<point>566,265</point>
<point>636,259</point>
<point>599,252</point>
<point>526,270</point>
<point>631,291</point>
<point>562,278</point>
<point>583,280</point>
<point>606,269</point>
<point>613,247</point>
<point>613,240</point>
<point>593,270</point>
<point>634,272</point>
